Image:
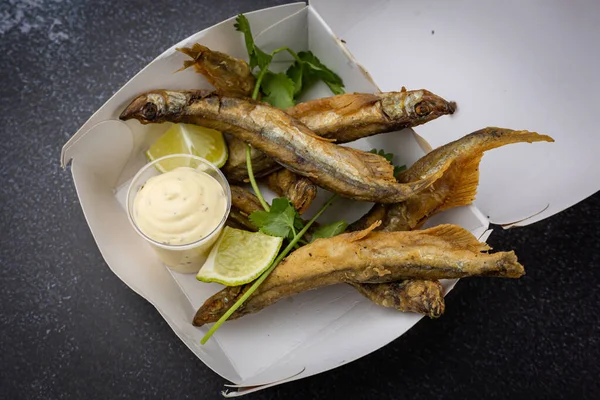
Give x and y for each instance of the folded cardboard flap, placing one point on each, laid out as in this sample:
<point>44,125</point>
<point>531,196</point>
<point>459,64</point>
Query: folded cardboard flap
<point>507,64</point>
<point>297,337</point>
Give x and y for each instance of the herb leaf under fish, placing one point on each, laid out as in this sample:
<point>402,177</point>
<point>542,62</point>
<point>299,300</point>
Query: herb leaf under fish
<point>308,69</point>
<point>278,90</point>
<point>330,230</point>
<point>390,158</point>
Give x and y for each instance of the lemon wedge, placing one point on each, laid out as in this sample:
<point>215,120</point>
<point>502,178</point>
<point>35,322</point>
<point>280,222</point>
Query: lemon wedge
<point>239,257</point>
<point>188,139</point>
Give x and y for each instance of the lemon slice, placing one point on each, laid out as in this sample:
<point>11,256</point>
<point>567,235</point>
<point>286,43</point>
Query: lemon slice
<point>239,257</point>
<point>188,139</point>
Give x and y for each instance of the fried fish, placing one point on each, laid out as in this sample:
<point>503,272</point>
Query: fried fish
<point>348,172</point>
<point>446,251</point>
<point>412,295</point>
<point>348,117</point>
<point>229,75</point>
<point>457,186</point>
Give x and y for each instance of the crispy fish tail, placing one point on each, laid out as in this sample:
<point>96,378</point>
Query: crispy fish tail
<point>412,295</point>
<point>446,251</point>
<point>458,163</point>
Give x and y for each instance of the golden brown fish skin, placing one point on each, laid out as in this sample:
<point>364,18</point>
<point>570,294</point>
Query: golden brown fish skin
<point>299,190</point>
<point>459,161</point>
<point>445,251</point>
<point>413,295</point>
<point>348,172</point>
<point>349,117</point>
<point>227,74</point>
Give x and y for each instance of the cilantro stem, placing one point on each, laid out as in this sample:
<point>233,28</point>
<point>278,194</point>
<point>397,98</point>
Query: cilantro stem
<point>259,79</point>
<point>265,274</point>
<point>285,48</point>
<point>253,180</point>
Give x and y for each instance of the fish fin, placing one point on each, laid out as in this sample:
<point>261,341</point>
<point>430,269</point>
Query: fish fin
<point>343,105</point>
<point>458,237</point>
<point>358,235</point>
<point>193,52</point>
<point>311,133</point>
<point>349,104</point>
<point>379,167</point>
<point>464,184</point>
<point>186,65</point>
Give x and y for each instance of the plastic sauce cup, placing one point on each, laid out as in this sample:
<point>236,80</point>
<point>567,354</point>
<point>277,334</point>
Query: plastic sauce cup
<point>184,258</point>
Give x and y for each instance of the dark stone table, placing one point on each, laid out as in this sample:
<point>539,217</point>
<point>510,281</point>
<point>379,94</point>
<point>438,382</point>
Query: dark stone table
<point>71,329</point>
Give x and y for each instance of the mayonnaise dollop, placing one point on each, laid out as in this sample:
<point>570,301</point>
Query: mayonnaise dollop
<point>179,207</point>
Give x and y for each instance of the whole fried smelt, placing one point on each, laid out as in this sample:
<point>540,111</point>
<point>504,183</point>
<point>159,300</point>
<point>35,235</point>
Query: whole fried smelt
<point>445,251</point>
<point>412,295</point>
<point>349,172</point>
<point>299,190</point>
<point>349,117</point>
<point>227,74</point>
<point>459,161</point>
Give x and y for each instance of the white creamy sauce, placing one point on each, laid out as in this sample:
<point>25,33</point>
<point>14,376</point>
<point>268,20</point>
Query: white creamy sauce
<point>179,207</point>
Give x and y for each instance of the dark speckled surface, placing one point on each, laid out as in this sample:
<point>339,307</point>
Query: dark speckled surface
<point>72,330</point>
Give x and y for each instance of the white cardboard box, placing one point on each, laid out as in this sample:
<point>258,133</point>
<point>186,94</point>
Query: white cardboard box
<point>521,65</point>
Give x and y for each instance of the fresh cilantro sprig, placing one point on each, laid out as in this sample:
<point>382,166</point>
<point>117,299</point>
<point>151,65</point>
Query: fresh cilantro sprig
<point>281,220</point>
<point>282,89</point>
<point>390,158</point>
<point>256,56</point>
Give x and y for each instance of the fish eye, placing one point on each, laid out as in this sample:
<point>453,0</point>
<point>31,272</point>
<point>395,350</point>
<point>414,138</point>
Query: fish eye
<point>150,110</point>
<point>422,109</point>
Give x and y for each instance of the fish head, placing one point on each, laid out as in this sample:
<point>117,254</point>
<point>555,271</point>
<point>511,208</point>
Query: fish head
<point>417,106</point>
<point>156,106</point>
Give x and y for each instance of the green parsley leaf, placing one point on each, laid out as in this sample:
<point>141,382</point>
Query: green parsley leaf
<point>310,70</point>
<point>280,220</point>
<point>398,169</point>
<point>390,158</point>
<point>330,230</point>
<point>295,73</point>
<point>317,70</point>
<point>278,90</point>
<point>256,56</point>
